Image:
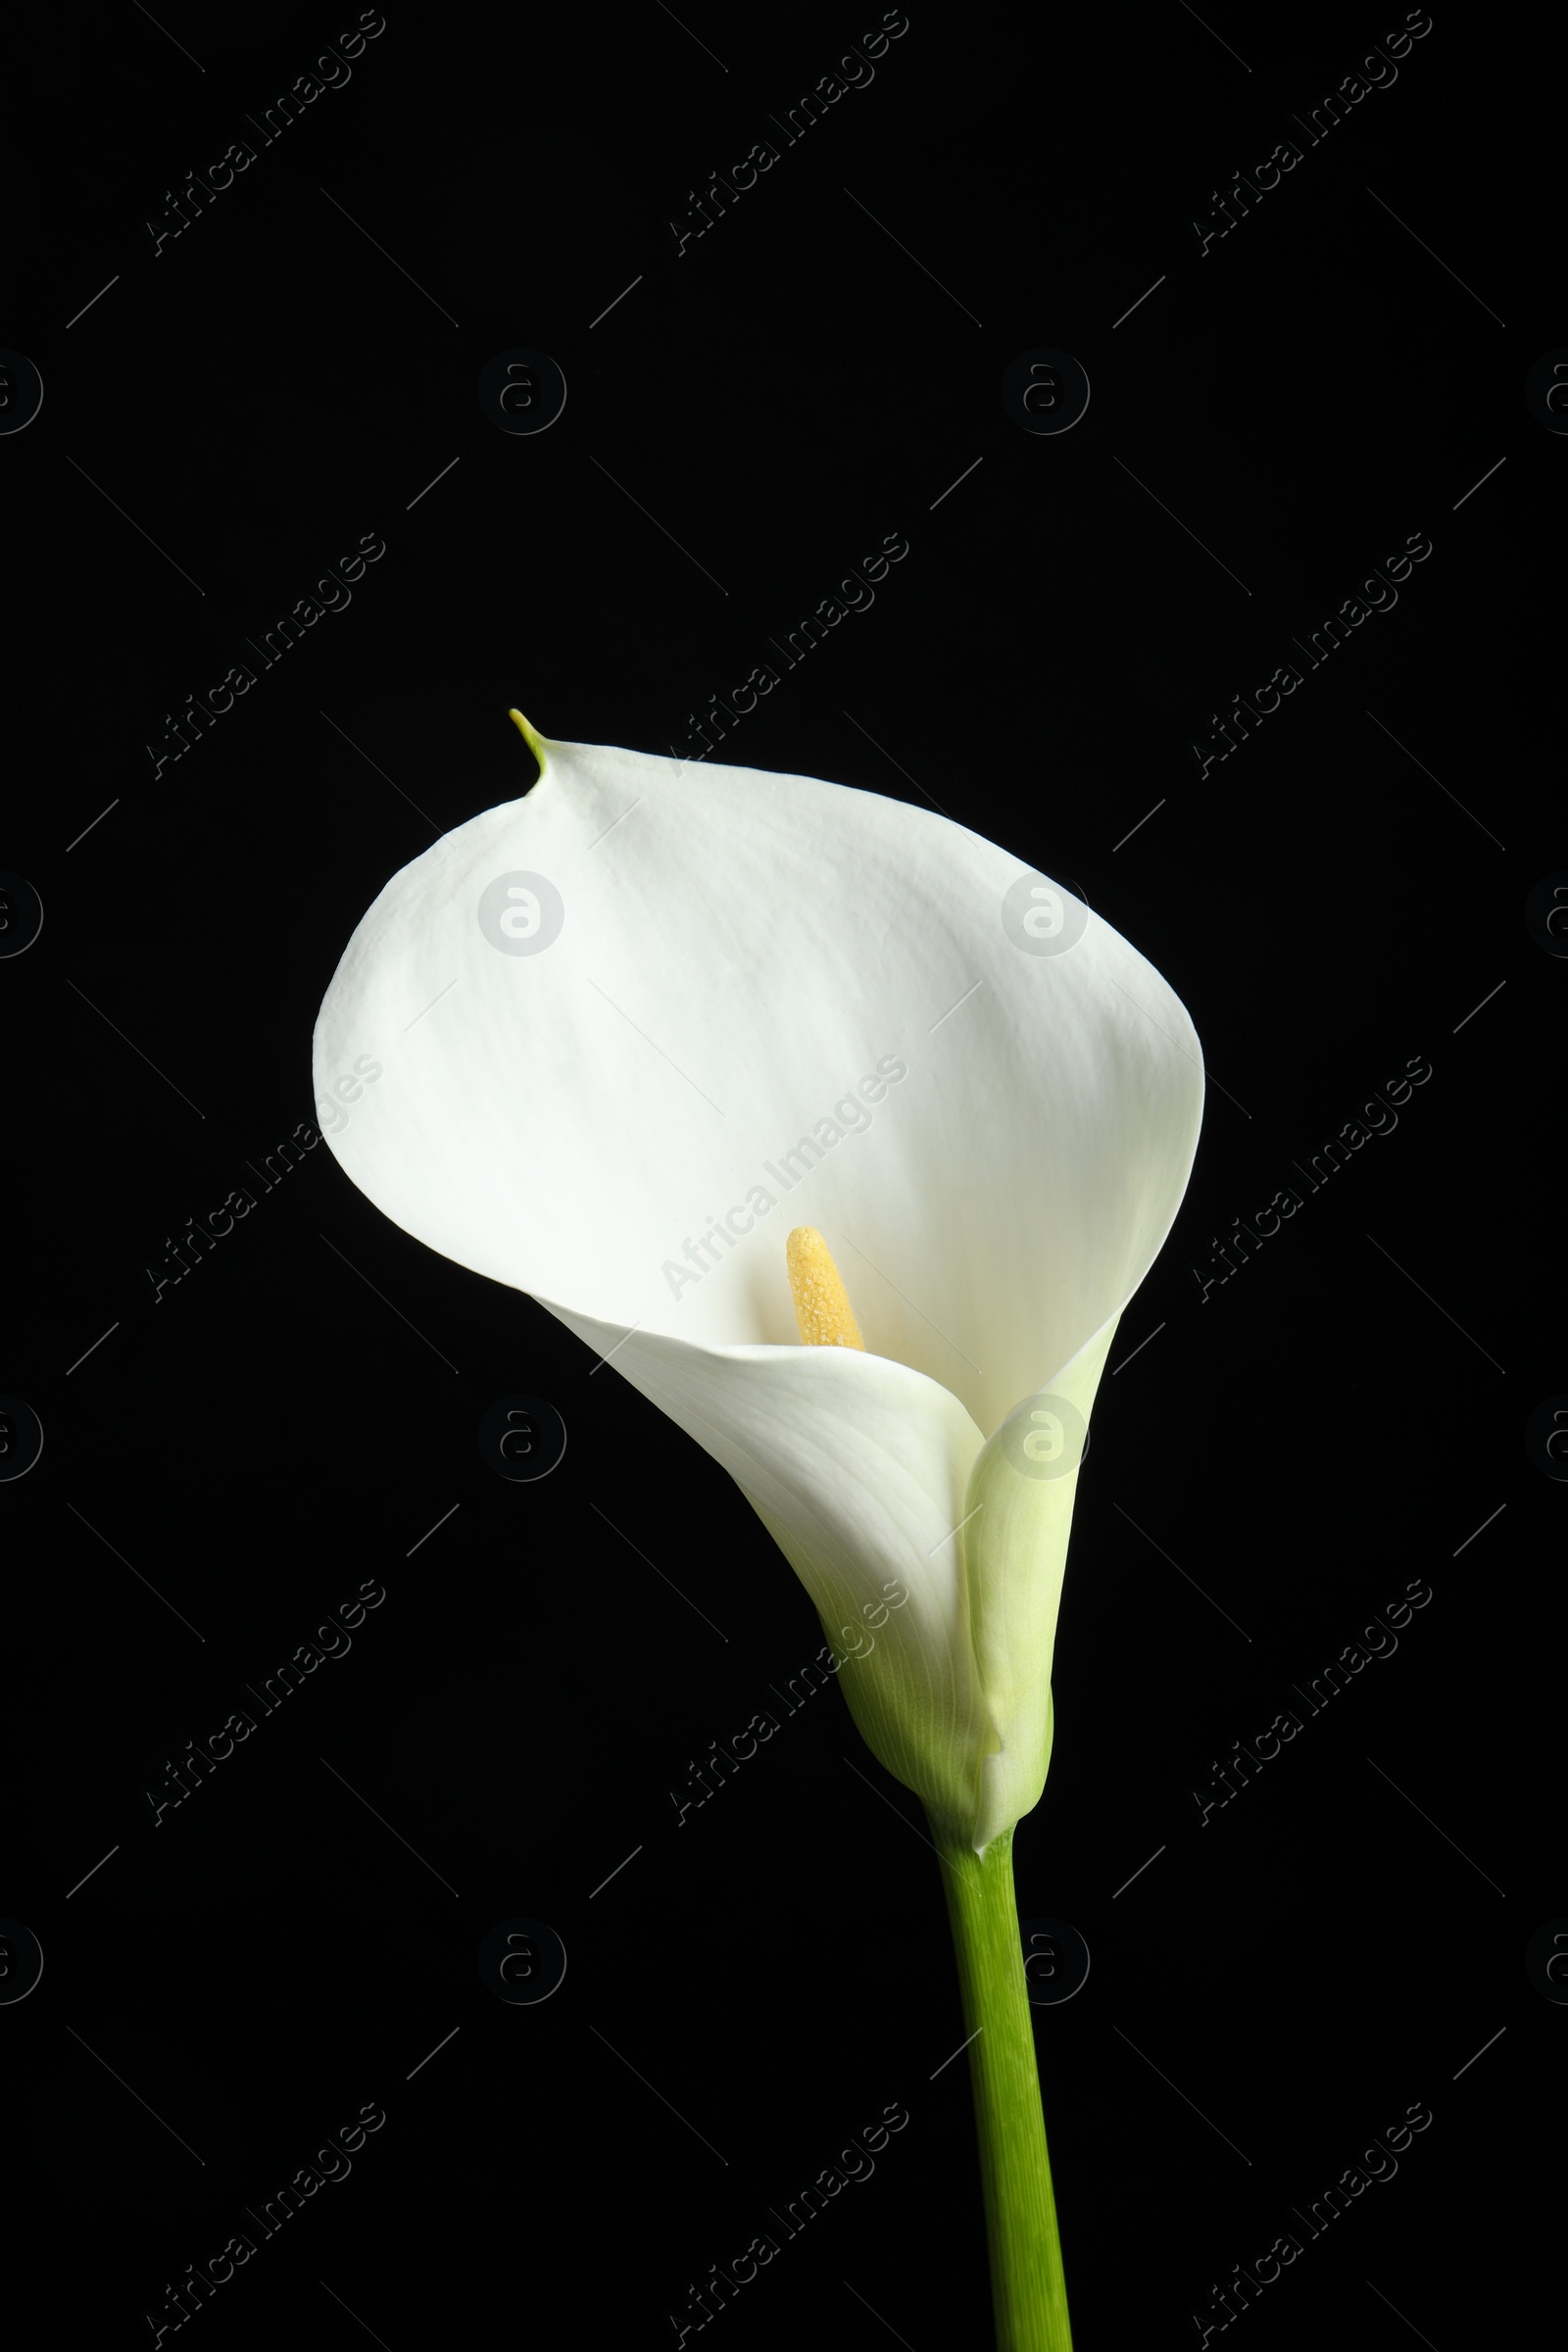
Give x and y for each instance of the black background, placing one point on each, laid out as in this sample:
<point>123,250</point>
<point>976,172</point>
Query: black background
<point>1336,1420</point>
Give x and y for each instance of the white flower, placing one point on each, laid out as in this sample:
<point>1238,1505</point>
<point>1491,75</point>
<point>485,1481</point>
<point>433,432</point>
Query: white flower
<point>639,1024</point>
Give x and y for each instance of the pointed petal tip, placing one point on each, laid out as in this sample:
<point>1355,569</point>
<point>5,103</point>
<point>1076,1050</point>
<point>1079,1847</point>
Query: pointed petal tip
<point>531,737</point>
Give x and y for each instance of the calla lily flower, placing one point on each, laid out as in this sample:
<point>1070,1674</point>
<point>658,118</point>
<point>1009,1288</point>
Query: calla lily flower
<point>640,1025</point>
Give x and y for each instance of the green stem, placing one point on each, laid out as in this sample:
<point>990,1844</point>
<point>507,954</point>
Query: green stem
<point>1027,2287</point>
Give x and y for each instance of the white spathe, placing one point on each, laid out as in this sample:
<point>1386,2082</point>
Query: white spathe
<point>740,1002</point>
